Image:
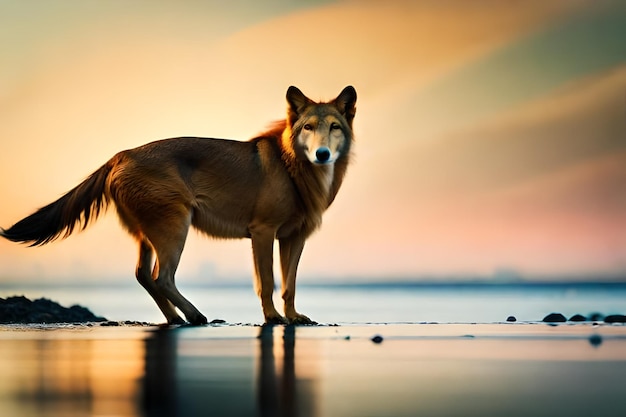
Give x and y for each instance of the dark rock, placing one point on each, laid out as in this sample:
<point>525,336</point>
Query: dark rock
<point>511,318</point>
<point>21,310</point>
<point>578,317</point>
<point>136,323</point>
<point>218,321</point>
<point>596,317</point>
<point>595,340</point>
<point>554,318</point>
<point>377,339</point>
<point>615,318</point>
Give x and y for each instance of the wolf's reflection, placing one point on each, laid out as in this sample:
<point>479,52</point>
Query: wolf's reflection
<point>188,376</point>
<point>276,392</point>
<point>160,382</point>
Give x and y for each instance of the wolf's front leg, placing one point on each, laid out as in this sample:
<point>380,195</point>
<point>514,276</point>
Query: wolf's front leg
<point>290,251</point>
<point>263,251</point>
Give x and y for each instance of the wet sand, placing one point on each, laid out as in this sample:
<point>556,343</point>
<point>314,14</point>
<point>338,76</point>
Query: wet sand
<point>505,369</point>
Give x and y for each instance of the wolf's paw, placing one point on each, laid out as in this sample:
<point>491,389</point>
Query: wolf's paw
<point>175,321</point>
<point>301,319</point>
<point>198,320</point>
<point>276,319</point>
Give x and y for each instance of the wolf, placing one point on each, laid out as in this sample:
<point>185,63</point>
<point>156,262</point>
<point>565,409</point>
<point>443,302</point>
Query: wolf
<point>275,186</point>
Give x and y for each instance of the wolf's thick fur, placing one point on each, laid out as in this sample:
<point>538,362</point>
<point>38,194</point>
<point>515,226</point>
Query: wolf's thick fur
<point>274,186</point>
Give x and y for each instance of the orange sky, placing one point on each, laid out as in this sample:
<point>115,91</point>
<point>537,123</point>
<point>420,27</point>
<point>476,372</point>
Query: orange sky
<point>489,133</point>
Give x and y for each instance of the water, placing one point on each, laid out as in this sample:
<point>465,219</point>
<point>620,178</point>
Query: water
<point>352,303</point>
<point>418,369</point>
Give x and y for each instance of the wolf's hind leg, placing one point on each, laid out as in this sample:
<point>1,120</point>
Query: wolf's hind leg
<point>169,247</point>
<point>145,278</point>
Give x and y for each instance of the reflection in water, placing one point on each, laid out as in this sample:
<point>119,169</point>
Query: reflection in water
<point>278,391</point>
<point>285,371</point>
<point>165,372</point>
<point>59,379</point>
<point>45,376</point>
<point>190,376</point>
<point>159,381</point>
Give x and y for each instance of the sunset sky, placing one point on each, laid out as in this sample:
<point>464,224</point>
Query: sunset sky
<point>490,135</point>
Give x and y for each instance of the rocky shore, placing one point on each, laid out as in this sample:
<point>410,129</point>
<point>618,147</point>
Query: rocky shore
<point>21,310</point>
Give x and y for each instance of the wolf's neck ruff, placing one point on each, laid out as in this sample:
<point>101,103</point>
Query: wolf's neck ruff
<point>313,184</point>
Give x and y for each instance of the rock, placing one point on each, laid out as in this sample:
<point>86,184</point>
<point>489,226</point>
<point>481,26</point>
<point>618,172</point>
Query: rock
<point>578,317</point>
<point>615,318</point>
<point>21,310</point>
<point>136,323</point>
<point>595,340</point>
<point>554,318</point>
<point>377,339</point>
<point>596,317</point>
<point>511,318</point>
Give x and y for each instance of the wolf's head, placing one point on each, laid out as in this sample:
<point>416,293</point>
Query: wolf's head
<point>320,132</point>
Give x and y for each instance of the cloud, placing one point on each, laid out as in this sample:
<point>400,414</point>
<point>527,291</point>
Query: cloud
<point>376,45</point>
<point>539,188</point>
<point>583,120</point>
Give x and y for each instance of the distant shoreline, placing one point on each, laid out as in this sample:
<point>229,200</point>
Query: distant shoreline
<point>339,284</point>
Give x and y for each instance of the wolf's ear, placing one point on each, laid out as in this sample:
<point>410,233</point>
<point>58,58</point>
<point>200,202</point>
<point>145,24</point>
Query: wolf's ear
<point>345,103</point>
<point>297,101</point>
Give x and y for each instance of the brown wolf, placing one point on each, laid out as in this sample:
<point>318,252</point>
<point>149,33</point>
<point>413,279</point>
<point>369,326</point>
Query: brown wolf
<point>274,186</point>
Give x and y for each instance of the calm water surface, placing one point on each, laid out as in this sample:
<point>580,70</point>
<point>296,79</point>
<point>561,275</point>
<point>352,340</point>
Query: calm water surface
<point>453,369</point>
<point>399,303</point>
<point>423,369</point>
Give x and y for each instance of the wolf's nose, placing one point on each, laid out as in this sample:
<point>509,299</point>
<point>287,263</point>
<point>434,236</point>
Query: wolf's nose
<point>322,154</point>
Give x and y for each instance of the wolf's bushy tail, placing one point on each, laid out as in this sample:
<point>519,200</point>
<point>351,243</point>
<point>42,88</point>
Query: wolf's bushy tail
<point>77,207</point>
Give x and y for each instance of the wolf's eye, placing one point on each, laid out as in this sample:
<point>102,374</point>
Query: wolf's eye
<point>335,126</point>
<point>307,127</point>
